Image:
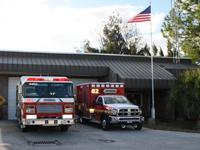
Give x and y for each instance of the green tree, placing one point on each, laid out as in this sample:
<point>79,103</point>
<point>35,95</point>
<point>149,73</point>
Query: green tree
<point>169,49</point>
<point>112,39</point>
<point>161,52</point>
<point>88,49</point>
<point>183,24</point>
<point>155,50</point>
<point>145,51</point>
<point>118,38</point>
<point>185,95</point>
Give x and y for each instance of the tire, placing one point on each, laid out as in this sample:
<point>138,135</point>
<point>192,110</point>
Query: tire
<point>139,126</point>
<point>105,123</point>
<point>82,120</point>
<point>64,128</point>
<point>34,128</point>
<point>24,128</point>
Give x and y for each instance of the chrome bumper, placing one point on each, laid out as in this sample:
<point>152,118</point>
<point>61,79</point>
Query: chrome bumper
<point>48,122</point>
<point>126,120</point>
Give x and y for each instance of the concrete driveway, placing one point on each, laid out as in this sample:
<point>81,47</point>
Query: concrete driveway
<point>82,137</point>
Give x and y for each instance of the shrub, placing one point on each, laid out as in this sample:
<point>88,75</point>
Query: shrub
<point>185,96</point>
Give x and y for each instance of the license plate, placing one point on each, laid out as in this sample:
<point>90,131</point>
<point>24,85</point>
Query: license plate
<point>48,122</point>
<point>129,121</point>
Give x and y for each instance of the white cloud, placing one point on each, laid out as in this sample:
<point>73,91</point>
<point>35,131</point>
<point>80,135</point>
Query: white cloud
<point>35,25</point>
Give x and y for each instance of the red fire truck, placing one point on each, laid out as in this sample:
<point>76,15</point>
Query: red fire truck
<point>105,103</point>
<point>45,101</point>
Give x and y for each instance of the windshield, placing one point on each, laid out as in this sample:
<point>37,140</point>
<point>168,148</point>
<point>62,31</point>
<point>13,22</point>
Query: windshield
<point>46,90</point>
<point>116,100</point>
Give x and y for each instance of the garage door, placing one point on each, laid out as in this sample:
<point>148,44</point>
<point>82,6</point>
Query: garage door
<point>12,83</point>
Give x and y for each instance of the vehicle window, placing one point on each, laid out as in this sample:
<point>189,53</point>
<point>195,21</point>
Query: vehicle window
<point>46,90</point>
<point>116,100</point>
<point>99,101</point>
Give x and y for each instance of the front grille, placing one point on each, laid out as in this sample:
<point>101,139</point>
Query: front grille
<point>49,108</point>
<point>129,119</point>
<point>128,112</point>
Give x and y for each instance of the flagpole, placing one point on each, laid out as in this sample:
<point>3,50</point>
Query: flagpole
<point>143,16</point>
<point>152,72</point>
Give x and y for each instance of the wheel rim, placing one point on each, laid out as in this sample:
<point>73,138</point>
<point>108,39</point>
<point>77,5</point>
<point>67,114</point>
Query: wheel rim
<point>104,123</point>
<point>123,126</point>
<point>81,120</point>
<point>135,126</point>
<point>21,126</point>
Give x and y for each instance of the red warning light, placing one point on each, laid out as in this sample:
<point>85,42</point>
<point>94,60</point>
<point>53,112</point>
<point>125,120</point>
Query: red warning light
<point>61,79</point>
<point>35,79</point>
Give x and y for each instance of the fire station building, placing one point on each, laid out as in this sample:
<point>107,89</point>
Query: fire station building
<point>134,71</point>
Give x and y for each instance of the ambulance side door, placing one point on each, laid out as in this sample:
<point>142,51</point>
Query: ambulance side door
<point>98,108</point>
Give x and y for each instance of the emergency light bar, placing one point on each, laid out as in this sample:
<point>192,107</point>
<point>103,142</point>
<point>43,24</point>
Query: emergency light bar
<point>61,79</point>
<point>98,85</point>
<point>35,79</point>
<point>108,85</point>
<point>48,79</point>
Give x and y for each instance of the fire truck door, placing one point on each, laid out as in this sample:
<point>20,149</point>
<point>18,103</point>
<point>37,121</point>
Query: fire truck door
<point>98,109</point>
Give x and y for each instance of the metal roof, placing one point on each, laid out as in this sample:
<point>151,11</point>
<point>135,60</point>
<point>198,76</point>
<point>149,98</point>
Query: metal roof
<point>135,71</point>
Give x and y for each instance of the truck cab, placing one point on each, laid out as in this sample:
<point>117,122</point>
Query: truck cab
<point>106,104</point>
<point>45,101</point>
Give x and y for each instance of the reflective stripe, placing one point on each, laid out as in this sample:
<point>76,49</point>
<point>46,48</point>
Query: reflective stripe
<point>100,110</point>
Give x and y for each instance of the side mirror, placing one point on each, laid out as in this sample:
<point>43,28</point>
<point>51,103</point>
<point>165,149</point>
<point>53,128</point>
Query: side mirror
<point>99,104</point>
<point>20,89</point>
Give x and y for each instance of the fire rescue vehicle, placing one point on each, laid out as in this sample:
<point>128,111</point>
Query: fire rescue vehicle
<point>105,103</point>
<point>45,101</point>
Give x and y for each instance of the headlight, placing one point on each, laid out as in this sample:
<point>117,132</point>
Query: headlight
<point>31,116</point>
<point>30,109</point>
<point>114,111</point>
<point>91,110</point>
<point>68,110</point>
<point>67,116</point>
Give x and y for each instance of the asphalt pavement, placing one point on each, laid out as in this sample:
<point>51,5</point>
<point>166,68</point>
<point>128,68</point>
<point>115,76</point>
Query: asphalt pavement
<point>91,137</point>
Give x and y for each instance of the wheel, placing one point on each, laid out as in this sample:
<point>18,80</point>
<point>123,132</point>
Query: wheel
<point>64,128</point>
<point>34,128</point>
<point>139,126</point>
<point>82,120</point>
<point>105,123</point>
<point>123,126</point>
<point>23,128</point>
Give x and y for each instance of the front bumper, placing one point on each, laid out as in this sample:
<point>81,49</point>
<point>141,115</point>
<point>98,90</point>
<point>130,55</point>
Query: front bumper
<point>126,120</point>
<point>48,122</point>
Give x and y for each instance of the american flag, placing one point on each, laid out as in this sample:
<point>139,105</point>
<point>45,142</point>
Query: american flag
<point>143,16</point>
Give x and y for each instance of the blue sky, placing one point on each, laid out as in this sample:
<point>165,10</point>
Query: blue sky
<point>157,5</point>
<point>63,25</point>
